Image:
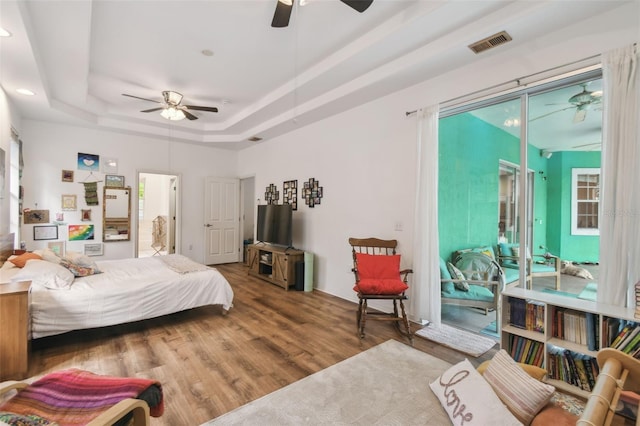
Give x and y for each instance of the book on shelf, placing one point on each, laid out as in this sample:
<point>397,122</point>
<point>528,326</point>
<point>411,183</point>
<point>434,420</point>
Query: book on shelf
<point>572,367</point>
<point>526,314</point>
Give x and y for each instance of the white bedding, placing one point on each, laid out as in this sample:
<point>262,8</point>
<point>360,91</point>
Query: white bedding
<point>127,290</point>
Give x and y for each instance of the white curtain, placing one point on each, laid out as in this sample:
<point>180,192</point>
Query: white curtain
<point>425,299</point>
<point>620,201</point>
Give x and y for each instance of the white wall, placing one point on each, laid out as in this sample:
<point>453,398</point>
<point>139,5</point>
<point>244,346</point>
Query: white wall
<point>8,119</point>
<point>49,148</point>
<point>365,158</point>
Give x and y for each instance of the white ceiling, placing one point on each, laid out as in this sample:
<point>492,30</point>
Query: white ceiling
<point>80,56</point>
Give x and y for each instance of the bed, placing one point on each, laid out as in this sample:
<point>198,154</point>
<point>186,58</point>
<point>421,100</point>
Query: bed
<point>123,291</point>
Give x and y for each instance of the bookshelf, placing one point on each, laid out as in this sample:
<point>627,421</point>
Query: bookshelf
<point>563,335</point>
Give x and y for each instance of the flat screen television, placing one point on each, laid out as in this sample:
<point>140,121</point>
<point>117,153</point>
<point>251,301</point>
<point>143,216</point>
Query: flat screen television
<point>275,224</point>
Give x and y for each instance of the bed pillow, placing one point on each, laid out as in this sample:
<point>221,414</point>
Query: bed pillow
<point>81,260</point>
<point>50,256</point>
<point>468,399</point>
<point>21,260</point>
<point>522,394</point>
<point>45,274</point>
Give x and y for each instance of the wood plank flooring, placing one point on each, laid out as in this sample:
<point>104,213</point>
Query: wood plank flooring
<point>209,364</point>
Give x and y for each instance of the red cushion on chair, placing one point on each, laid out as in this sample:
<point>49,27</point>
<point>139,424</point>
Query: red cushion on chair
<point>380,286</point>
<point>378,266</point>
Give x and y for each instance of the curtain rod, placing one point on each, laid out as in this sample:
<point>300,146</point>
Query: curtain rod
<point>518,83</point>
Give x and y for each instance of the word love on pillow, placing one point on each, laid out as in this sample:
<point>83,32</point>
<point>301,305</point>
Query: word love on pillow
<point>468,399</point>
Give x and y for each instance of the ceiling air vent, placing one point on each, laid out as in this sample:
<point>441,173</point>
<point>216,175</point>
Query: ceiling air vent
<point>254,139</point>
<point>490,42</point>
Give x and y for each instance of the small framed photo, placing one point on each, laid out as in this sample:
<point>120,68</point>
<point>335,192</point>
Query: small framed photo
<point>49,232</point>
<point>86,215</point>
<point>109,165</point>
<point>57,247</point>
<point>114,181</point>
<point>36,216</point>
<point>94,249</point>
<point>67,175</point>
<point>69,202</point>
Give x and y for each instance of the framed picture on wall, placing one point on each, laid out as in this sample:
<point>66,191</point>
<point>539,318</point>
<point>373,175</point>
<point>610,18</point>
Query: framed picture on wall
<point>49,232</point>
<point>114,181</point>
<point>36,216</point>
<point>57,247</point>
<point>94,249</point>
<point>69,202</point>
<point>67,175</point>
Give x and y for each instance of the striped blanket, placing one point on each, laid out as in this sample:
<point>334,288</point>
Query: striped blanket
<point>75,397</point>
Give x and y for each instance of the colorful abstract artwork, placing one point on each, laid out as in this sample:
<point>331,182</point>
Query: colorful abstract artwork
<point>81,232</point>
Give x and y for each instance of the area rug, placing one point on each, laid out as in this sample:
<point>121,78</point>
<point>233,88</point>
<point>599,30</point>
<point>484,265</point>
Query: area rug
<point>590,292</point>
<point>455,338</point>
<point>385,385</point>
<point>491,330</point>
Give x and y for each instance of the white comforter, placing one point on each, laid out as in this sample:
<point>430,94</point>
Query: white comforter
<point>127,290</point>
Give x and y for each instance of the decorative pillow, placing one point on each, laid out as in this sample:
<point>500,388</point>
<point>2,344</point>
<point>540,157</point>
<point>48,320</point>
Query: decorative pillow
<point>532,370</point>
<point>446,287</point>
<point>78,270</point>
<point>378,266</point>
<point>522,394</point>
<point>468,399</point>
<point>456,274</point>
<point>45,274</point>
<point>383,286</point>
<point>21,260</point>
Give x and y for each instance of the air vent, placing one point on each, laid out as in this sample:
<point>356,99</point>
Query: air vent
<point>490,42</point>
<point>254,139</point>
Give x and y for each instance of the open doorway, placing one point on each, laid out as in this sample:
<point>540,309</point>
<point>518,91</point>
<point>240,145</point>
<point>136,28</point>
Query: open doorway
<point>157,214</point>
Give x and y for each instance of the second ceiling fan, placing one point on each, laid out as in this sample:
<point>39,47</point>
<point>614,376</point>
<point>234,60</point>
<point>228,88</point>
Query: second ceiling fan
<point>283,10</point>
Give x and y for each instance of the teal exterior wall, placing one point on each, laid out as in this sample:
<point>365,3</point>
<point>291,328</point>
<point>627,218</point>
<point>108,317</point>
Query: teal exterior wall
<point>578,248</point>
<point>469,154</point>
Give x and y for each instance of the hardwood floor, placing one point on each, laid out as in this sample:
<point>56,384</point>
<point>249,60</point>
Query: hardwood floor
<point>209,364</point>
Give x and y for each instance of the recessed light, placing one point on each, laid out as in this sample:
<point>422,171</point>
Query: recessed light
<point>4,33</point>
<point>25,92</point>
<point>207,52</point>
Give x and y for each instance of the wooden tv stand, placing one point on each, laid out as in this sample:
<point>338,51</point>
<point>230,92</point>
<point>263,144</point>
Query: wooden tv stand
<point>274,264</point>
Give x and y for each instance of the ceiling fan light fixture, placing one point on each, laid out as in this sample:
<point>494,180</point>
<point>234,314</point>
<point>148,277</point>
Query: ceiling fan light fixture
<point>173,114</point>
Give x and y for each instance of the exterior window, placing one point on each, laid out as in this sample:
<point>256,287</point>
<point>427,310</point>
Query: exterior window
<point>585,200</point>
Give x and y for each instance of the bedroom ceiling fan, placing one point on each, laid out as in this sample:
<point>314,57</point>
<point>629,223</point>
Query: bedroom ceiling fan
<point>283,10</point>
<point>172,109</point>
<point>581,102</point>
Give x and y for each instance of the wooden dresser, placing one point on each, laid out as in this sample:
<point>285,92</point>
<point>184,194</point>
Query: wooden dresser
<point>14,330</point>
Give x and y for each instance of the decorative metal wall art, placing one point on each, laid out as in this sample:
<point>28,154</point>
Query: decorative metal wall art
<point>312,192</point>
<point>290,193</point>
<point>271,194</point>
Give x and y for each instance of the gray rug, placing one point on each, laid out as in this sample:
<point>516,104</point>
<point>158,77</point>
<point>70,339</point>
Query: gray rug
<point>458,339</point>
<point>385,385</point>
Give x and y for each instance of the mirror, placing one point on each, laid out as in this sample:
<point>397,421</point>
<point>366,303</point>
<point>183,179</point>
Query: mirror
<point>116,215</point>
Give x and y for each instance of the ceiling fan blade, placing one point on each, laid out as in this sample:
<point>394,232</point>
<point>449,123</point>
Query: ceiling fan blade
<point>189,115</point>
<point>153,109</point>
<point>581,114</point>
<point>550,113</point>
<point>359,5</point>
<point>144,99</point>
<point>282,15</point>
<point>201,108</point>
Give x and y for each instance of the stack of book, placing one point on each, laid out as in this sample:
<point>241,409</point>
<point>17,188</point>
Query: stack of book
<point>628,340</point>
<point>526,350</point>
<point>571,367</point>
<point>575,326</point>
<point>526,314</point>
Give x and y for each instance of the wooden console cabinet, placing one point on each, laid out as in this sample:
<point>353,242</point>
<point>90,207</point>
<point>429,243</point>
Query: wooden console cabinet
<point>14,330</point>
<point>274,264</point>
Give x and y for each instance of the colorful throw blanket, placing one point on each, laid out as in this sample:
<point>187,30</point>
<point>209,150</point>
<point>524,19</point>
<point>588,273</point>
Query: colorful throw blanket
<point>75,397</point>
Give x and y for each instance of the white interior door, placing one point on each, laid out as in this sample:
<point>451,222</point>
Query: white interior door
<point>222,220</point>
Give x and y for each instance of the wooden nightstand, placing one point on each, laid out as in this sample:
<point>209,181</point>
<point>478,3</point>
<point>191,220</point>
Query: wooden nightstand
<point>14,330</point>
